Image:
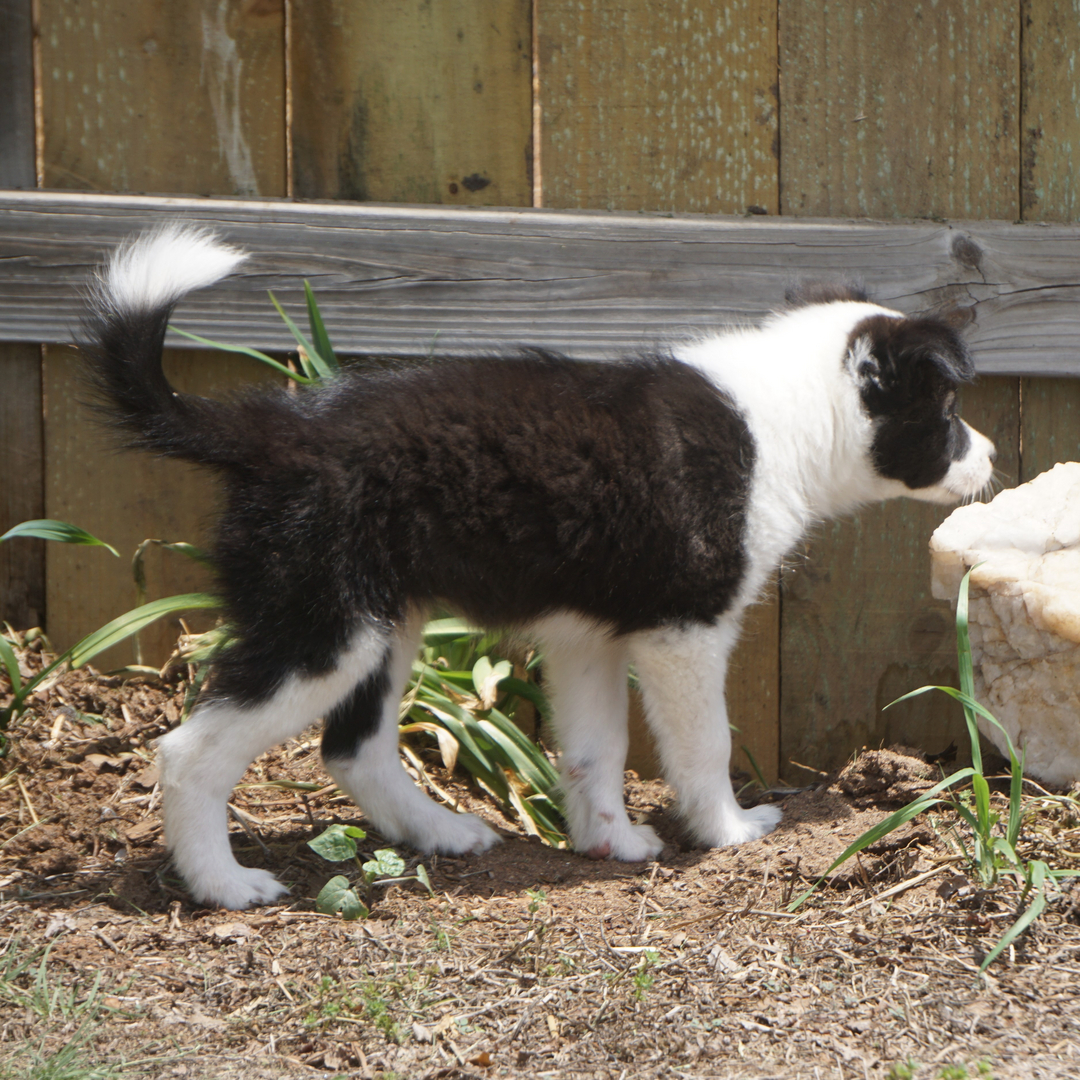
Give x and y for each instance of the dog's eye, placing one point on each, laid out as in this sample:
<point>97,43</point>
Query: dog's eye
<point>949,405</point>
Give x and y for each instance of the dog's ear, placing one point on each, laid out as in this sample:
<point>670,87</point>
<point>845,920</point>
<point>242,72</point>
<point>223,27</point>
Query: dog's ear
<point>885,352</point>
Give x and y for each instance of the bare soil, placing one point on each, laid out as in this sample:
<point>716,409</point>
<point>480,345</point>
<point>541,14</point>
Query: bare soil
<point>526,961</point>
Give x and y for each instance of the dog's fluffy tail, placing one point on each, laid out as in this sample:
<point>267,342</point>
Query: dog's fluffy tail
<point>124,334</point>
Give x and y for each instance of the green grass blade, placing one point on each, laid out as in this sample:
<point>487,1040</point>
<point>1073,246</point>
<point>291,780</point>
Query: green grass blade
<point>1039,872</point>
<point>758,774</point>
<point>318,331</point>
<point>122,627</point>
<point>883,828</point>
<point>253,353</point>
<point>893,821</point>
<point>527,690</point>
<point>439,631</point>
<point>1016,795</point>
<point>968,818</point>
<point>982,805</point>
<point>61,531</point>
<point>319,368</point>
<point>196,554</point>
<point>455,720</point>
<point>969,703</point>
<point>11,663</point>
<point>1006,849</point>
<point>967,675</point>
<point>523,758</point>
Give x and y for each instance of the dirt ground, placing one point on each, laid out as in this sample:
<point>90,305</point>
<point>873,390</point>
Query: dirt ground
<point>526,961</point>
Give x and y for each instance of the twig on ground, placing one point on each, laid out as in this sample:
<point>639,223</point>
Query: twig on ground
<point>26,799</point>
<point>242,819</point>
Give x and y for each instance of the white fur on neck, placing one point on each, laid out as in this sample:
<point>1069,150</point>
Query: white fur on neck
<point>812,436</point>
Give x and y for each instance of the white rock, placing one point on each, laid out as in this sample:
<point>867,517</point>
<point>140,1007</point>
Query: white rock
<point>1024,615</point>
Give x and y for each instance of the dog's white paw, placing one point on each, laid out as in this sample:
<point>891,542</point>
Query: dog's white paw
<point>639,843</point>
<point>243,887</point>
<point>453,834</point>
<point>627,843</point>
<point>739,827</point>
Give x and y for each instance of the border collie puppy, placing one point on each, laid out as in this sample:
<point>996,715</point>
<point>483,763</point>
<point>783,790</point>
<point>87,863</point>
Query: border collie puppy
<point>615,513</point>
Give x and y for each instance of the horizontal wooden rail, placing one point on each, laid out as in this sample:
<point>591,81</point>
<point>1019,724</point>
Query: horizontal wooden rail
<point>407,280</point>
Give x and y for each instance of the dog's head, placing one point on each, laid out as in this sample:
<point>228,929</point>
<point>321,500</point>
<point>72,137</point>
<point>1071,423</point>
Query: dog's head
<point>907,371</point>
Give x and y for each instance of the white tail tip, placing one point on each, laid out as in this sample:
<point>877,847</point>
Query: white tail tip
<point>155,269</point>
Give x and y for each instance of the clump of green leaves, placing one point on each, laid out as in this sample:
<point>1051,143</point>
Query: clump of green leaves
<point>902,1070</point>
<point>469,701</point>
<point>112,633</point>
<point>644,976</point>
<point>317,359</point>
<point>385,867</point>
<point>993,850</point>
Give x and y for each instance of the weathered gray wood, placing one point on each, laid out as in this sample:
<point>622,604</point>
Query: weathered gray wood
<point>22,562</point>
<point>405,279</point>
<point>16,95</point>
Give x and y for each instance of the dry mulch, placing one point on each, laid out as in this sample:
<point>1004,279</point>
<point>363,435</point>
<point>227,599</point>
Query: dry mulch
<point>527,961</point>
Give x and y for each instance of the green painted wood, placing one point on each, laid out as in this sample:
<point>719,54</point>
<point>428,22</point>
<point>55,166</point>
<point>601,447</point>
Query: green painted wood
<point>889,110</point>
<point>1050,124</point>
<point>125,498</point>
<point>22,562</point>
<point>146,96</point>
<point>649,106</point>
<point>900,108</point>
<point>16,94</point>
<point>1050,430</point>
<point>860,628</point>
<point>412,101</point>
<point>670,107</point>
<point>1050,191</point>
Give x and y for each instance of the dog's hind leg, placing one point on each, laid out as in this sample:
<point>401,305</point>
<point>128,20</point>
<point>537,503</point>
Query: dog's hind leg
<point>202,760</point>
<point>360,751</point>
<point>682,673</point>
<point>585,677</point>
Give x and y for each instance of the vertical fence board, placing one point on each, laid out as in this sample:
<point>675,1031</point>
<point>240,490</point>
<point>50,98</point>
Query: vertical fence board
<point>410,101</point>
<point>157,97</point>
<point>889,110</point>
<point>670,107</point>
<point>152,96</point>
<point>1050,424</point>
<point>1050,125</point>
<point>125,498</point>
<point>659,106</point>
<point>860,628</point>
<point>1050,191</point>
<point>16,95</point>
<point>899,109</point>
<point>22,562</point>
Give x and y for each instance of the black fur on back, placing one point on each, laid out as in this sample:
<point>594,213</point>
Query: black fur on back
<point>808,293</point>
<point>505,488</point>
<point>908,385</point>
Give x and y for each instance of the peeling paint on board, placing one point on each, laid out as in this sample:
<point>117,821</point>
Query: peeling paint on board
<point>221,67</point>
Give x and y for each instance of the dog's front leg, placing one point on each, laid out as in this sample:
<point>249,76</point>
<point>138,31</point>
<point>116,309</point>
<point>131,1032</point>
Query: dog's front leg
<point>585,677</point>
<point>682,673</point>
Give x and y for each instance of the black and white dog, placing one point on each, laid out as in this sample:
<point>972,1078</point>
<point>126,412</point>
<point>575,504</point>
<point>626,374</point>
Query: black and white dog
<point>613,512</point>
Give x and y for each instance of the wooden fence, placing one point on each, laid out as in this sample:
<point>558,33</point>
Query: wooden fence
<point>850,109</point>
